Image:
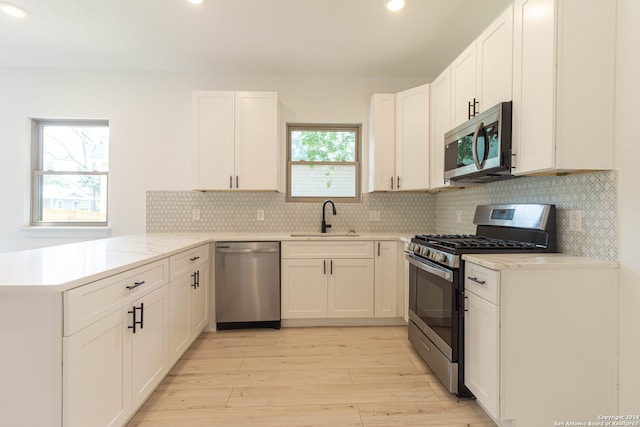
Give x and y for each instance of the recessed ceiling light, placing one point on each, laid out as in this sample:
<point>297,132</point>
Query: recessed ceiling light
<point>196,1</point>
<point>13,10</point>
<point>394,5</point>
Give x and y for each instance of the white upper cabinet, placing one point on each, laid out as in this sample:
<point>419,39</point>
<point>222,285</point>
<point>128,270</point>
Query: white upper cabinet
<point>235,140</point>
<point>563,85</point>
<point>412,139</point>
<point>440,124</point>
<point>399,140</point>
<point>481,76</point>
<point>382,142</point>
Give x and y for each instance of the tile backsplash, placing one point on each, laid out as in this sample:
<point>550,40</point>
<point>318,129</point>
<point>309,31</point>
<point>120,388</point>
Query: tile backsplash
<point>226,211</point>
<point>592,193</point>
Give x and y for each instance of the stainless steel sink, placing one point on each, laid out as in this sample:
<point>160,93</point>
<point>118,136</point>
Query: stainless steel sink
<point>318,234</point>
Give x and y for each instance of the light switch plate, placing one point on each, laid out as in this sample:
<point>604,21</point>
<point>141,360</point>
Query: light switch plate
<point>195,215</point>
<point>260,215</point>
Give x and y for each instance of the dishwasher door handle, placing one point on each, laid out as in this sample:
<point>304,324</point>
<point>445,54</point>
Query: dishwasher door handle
<point>246,251</point>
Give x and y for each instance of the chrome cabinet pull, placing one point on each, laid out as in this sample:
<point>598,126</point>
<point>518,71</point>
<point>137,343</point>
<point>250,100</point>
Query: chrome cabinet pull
<point>135,285</point>
<point>237,182</point>
<point>392,183</point>
<point>230,182</point>
<point>194,258</point>
<point>378,248</point>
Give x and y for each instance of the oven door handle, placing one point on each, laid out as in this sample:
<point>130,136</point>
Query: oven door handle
<point>430,268</point>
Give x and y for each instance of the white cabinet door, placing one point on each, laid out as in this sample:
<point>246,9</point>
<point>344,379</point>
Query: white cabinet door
<point>199,297</point>
<point>97,373</point>
<point>562,98</point>
<point>440,124</point>
<point>412,139</point>
<point>534,86</point>
<point>213,140</point>
<point>382,142</point>
<point>350,288</point>
<point>463,85</point>
<point>482,362</point>
<point>149,353</point>
<point>304,288</point>
<point>481,75</point>
<point>256,141</point>
<point>494,74</point>
<point>386,279</point>
<point>180,291</point>
<point>235,140</point>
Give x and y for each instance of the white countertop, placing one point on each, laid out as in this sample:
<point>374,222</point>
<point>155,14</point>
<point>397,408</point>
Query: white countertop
<point>63,267</point>
<point>536,261</point>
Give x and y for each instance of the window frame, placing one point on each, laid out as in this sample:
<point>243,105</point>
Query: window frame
<point>357,128</point>
<point>37,171</point>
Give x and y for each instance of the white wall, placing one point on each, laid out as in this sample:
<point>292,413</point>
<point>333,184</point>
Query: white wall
<point>627,156</point>
<point>150,124</point>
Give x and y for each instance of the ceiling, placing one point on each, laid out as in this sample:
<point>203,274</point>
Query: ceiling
<point>319,37</point>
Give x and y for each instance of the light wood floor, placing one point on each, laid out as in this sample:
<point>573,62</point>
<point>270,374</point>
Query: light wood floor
<point>305,377</point>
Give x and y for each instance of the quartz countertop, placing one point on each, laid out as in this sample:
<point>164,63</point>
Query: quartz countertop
<point>63,267</point>
<point>536,261</point>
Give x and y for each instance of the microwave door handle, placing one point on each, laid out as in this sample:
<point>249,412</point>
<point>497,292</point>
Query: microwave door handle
<point>476,134</point>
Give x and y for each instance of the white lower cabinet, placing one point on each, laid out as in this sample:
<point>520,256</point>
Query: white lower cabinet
<point>110,367</point>
<point>327,279</point>
<point>149,345</point>
<point>188,308</point>
<point>482,328</point>
<point>386,279</point>
<point>350,288</point>
<point>541,338</point>
<point>123,333</point>
<point>304,288</point>
<point>97,373</point>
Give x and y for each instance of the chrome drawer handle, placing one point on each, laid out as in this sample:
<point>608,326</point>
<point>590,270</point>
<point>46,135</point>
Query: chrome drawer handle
<point>475,279</point>
<point>194,258</point>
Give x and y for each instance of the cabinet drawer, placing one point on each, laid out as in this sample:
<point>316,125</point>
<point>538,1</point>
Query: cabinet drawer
<point>483,282</point>
<point>325,249</point>
<point>182,263</point>
<point>89,303</point>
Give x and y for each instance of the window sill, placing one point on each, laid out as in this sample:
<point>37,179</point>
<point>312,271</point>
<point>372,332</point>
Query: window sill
<point>86,232</point>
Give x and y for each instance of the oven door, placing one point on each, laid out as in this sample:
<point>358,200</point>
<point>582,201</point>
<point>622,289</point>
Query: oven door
<point>433,304</point>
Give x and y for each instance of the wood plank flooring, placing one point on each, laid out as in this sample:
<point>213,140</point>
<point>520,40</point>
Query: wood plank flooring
<point>305,377</point>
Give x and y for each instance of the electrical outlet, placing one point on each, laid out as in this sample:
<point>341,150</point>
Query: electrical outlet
<point>374,215</point>
<point>260,215</point>
<point>195,215</point>
<point>459,217</point>
<point>575,220</point>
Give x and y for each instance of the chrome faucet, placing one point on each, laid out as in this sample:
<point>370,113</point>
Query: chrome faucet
<point>324,226</point>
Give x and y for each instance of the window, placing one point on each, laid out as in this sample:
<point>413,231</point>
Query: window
<point>70,170</point>
<point>323,161</point>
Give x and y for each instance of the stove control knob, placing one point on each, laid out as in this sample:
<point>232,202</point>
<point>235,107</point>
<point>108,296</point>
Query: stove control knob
<point>425,251</point>
<point>440,257</point>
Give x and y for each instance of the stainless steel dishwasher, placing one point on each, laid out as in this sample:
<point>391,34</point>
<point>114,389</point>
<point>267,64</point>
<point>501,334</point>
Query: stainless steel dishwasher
<point>247,284</point>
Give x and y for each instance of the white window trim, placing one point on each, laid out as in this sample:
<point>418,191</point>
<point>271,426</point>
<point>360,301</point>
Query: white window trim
<point>36,171</point>
<point>358,162</point>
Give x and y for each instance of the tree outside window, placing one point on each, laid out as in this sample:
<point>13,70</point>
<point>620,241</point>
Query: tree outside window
<point>71,164</point>
<point>323,162</point>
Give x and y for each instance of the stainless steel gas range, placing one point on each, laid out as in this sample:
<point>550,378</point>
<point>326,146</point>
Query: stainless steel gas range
<point>436,279</point>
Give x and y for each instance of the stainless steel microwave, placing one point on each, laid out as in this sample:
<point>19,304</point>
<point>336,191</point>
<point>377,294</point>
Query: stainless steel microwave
<point>480,149</point>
